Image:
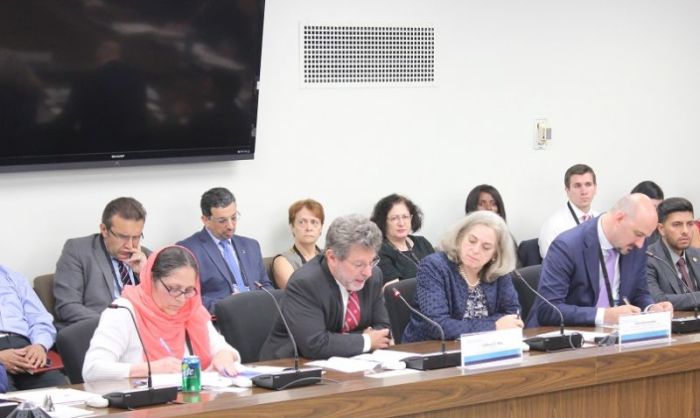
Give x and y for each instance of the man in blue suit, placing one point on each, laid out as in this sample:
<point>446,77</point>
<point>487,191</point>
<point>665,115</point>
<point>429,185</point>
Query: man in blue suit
<point>573,278</point>
<point>228,264</point>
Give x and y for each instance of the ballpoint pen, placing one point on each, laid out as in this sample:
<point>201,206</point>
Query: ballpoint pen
<point>166,346</point>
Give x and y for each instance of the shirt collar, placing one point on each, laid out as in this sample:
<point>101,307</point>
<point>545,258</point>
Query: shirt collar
<point>602,239</point>
<point>674,257</point>
<point>579,213</point>
<point>215,239</point>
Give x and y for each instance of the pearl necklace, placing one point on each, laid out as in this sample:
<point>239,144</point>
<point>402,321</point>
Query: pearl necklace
<point>464,275</point>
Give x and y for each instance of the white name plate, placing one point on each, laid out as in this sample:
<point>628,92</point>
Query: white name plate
<point>493,348</point>
<point>645,328</point>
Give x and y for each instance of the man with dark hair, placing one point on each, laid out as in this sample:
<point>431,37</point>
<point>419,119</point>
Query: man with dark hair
<point>228,263</point>
<point>92,270</point>
<point>580,185</point>
<point>334,303</point>
<point>676,277</point>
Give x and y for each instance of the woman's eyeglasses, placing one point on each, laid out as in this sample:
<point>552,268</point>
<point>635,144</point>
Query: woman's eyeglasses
<point>175,293</point>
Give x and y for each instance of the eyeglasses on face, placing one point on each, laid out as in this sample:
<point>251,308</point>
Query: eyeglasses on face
<point>190,292</point>
<point>224,220</point>
<point>125,238</point>
<point>396,218</point>
<point>360,265</point>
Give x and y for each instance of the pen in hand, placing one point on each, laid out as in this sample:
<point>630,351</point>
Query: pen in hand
<point>166,346</point>
<point>627,301</point>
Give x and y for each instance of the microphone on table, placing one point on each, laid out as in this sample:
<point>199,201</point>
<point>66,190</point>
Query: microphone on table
<point>433,360</point>
<point>135,398</point>
<point>558,342</point>
<point>681,325</point>
<point>287,378</point>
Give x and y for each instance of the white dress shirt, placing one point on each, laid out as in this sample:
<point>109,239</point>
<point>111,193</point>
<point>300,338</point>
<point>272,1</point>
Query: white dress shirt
<point>559,222</point>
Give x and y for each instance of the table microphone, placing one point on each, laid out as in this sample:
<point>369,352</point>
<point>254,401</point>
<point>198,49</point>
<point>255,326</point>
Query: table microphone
<point>295,377</point>
<point>434,360</point>
<point>559,342</point>
<point>140,397</point>
<point>681,325</point>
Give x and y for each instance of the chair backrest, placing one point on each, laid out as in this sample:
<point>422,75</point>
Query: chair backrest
<point>527,298</point>
<point>73,342</point>
<point>399,314</point>
<point>246,319</point>
<point>267,263</point>
<point>43,286</point>
<point>529,252</point>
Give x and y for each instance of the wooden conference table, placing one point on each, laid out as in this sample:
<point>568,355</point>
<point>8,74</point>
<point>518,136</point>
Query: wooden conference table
<point>642,381</point>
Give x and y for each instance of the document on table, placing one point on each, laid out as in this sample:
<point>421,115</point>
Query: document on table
<point>208,379</point>
<point>364,362</point>
<point>59,396</point>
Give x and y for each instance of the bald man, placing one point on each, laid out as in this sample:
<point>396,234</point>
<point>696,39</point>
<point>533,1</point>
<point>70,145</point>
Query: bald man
<point>596,271</point>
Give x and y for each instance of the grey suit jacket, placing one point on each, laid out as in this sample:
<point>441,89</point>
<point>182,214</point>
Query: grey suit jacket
<point>313,307</point>
<point>663,281</point>
<point>84,281</point>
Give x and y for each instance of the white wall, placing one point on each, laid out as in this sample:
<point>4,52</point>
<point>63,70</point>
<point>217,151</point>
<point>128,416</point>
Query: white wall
<point>617,80</point>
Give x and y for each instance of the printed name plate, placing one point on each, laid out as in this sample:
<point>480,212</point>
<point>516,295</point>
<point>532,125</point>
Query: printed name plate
<point>645,328</point>
<point>494,348</point>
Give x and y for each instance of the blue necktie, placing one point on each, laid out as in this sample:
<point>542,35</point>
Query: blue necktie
<point>232,262</point>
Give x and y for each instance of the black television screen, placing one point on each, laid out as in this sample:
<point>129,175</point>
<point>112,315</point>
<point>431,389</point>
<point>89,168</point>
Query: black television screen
<point>119,82</point>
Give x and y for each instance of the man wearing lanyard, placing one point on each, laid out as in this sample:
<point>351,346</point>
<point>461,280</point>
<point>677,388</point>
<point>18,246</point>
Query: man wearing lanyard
<point>92,270</point>
<point>596,272</point>
<point>580,185</point>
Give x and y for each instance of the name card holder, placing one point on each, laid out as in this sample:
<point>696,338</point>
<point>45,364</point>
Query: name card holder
<point>653,327</point>
<point>493,348</point>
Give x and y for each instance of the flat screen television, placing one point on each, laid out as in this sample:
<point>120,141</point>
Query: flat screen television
<point>87,83</point>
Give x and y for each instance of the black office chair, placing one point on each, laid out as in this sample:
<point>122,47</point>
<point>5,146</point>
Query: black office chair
<point>527,298</point>
<point>73,342</point>
<point>246,319</point>
<point>399,314</point>
<point>529,253</point>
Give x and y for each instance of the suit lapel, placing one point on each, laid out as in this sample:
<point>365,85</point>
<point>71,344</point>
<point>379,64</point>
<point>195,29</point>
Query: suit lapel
<point>694,265</point>
<point>214,255</point>
<point>100,254</point>
<point>670,268</point>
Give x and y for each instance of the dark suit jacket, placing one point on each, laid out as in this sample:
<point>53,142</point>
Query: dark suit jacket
<point>215,276</point>
<point>663,282</point>
<point>396,265</point>
<point>441,294</point>
<point>571,275</point>
<point>313,307</point>
<point>83,284</point>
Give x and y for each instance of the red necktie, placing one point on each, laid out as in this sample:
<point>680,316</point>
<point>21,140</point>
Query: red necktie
<point>352,313</point>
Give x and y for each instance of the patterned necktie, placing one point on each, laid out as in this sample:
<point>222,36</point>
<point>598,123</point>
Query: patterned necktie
<point>610,265</point>
<point>124,278</point>
<point>232,263</point>
<point>586,217</point>
<point>683,268</point>
<point>352,313</point>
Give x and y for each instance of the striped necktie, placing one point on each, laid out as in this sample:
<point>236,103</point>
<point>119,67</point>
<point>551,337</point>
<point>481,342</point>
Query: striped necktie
<point>352,313</point>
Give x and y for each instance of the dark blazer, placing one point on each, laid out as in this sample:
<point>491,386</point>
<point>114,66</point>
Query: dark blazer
<point>215,277</point>
<point>314,310</point>
<point>663,281</point>
<point>571,275</point>
<point>395,265</point>
<point>83,284</point>
<point>441,294</point>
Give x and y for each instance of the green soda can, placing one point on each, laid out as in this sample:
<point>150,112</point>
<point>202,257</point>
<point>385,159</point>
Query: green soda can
<point>191,374</point>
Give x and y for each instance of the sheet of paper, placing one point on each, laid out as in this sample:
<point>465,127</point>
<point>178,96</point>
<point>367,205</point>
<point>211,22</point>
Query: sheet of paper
<point>382,356</point>
<point>208,379</point>
<point>392,373</point>
<point>345,365</point>
<point>59,396</point>
<point>63,411</point>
